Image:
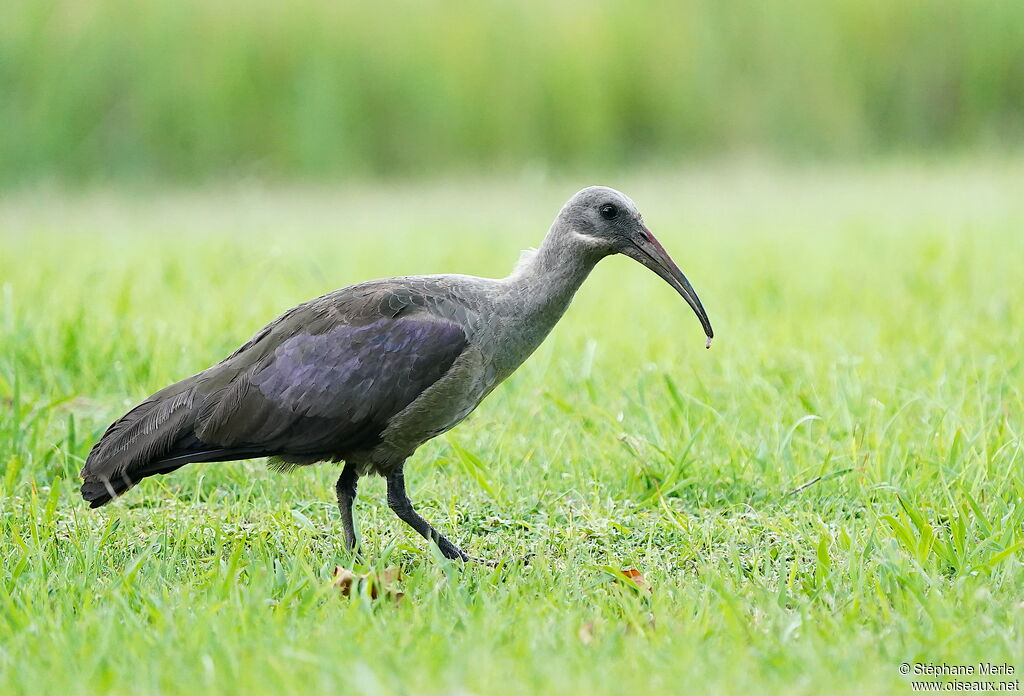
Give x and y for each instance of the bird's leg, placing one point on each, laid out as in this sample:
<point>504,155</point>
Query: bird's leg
<point>402,506</point>
<point>346,489</point>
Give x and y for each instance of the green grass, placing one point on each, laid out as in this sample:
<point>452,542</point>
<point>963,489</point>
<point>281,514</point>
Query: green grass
<point>869,333</point>
<point>193,90</point>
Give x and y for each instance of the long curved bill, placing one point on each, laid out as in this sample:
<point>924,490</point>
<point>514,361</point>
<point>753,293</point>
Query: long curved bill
<point>648,251</point>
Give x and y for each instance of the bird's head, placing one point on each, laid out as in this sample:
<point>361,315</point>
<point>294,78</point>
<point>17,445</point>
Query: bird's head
<point>606,222</point>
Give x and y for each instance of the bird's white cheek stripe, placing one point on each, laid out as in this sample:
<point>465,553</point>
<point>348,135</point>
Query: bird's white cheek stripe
<point>586,238</point>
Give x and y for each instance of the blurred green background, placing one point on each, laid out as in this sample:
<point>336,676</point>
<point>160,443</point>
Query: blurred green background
<point>184,90</point>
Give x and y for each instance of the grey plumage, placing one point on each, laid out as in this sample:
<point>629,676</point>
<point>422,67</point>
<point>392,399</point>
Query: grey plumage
<point>368,373</point>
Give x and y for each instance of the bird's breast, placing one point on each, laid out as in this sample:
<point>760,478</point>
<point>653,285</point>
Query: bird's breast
<point>510,347</point>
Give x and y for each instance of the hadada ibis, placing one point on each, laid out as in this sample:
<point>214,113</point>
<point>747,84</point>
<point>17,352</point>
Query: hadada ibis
<point>366,374</point>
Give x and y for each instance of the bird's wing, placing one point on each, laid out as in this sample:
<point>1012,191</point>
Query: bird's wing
<point>327,377</point>
<point>321,380</point>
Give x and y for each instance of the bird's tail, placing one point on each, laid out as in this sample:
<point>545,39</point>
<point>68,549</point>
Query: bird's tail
<point>155,437</point>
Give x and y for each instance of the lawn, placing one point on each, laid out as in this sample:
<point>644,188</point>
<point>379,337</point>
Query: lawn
<point>830,491</point>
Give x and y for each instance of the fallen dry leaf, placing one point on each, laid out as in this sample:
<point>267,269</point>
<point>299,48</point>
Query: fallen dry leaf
<point>638,579</point>
<point>586,633</point>
<point>344,579</point>
<point>376,583</point>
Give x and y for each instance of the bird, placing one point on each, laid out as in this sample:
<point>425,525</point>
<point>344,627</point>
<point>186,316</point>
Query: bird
<point>364,375</point>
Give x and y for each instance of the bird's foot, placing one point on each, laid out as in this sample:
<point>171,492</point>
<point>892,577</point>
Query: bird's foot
<point>454,553</point>
<point>524,560</point>
<point>483,562</point>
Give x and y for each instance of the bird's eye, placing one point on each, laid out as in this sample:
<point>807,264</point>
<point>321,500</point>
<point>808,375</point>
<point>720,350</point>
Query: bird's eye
<point>609,211</point>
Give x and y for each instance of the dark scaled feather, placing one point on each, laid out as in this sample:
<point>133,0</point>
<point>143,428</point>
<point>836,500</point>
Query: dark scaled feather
<point>322,380</point>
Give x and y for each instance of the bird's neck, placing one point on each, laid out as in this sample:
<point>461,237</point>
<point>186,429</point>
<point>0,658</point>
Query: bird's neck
<point>545,281</point>
<point>534,297</point>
